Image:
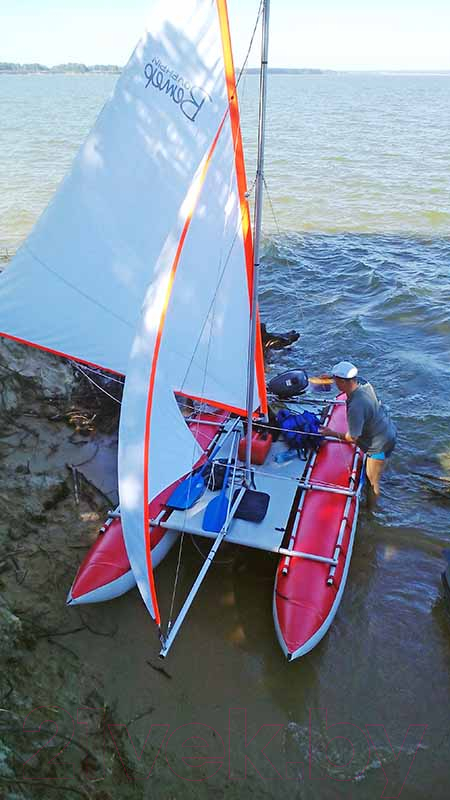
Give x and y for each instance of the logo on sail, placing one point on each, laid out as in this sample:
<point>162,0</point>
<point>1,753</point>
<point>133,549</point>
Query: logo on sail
<point>189,98</point>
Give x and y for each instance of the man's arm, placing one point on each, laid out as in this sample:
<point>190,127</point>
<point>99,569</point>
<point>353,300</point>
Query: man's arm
<point>344,437</point>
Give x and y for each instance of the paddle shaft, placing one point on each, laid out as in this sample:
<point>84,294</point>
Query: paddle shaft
<point>216,512</point>
<point>192,487</point>
<point>218,447</point>
<point>167,641</point>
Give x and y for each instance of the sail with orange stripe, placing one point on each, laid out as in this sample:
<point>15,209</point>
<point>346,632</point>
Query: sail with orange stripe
<point>75,287</point>
<point>193,333</point>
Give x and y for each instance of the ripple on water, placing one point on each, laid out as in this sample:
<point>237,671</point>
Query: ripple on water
<point>360,265</point>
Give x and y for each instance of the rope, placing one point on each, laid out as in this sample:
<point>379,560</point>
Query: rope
<point>97,386</point>
<point>294,430</point>
<point>175,583</point>
<point>177,573</point>
<point>315,481</point>
<point>272,207</point>
<point>251,43</point>
<point>280,234</point>
<point>221,273</point>
<point>96,372</point>
<point>249,191</point>
<point>204,557</point>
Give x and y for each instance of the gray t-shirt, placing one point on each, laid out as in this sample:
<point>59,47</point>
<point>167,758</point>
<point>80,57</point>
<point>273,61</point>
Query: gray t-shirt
<point>369,422</point>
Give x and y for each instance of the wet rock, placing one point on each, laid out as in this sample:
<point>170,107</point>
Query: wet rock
<point>31,377</point>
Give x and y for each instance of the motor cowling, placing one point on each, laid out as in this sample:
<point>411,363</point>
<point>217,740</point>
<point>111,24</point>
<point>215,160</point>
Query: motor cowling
<point>289,384</point>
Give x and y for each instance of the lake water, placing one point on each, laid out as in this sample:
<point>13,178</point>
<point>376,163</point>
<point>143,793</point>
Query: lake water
<point>357,257</point>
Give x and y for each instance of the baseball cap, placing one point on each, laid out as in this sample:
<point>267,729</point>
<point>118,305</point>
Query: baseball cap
<point>344,369</point>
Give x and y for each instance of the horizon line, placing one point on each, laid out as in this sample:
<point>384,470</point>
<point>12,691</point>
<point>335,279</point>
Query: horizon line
<point>4,65</point>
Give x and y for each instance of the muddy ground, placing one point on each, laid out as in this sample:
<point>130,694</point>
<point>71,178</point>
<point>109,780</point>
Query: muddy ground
<point>67,701</point>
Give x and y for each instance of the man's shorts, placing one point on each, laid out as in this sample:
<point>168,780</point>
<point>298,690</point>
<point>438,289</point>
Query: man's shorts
<point>382,455</point>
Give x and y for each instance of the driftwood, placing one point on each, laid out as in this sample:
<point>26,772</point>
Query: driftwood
<point>140,716</point>
<point>431,477</point>
<point>437,485</point>
<point>76,475</point>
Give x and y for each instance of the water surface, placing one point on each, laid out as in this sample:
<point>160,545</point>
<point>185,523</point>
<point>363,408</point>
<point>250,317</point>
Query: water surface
<point>356,256</point>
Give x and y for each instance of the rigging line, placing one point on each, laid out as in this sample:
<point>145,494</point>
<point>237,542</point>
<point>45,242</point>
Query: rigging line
<point>249,191</point>
<point>211,305</point>
<point>200,407</point>
<point>271,474</point>
<point>220,275</point>
<point>175,583</point>
<point>239,227</point>
<point>241,72</point>
<point>280,233</point>
<point>211,309</point>
<point>204,556</point>
<point>297,430</point>
<point>197,344</point>
<point>272,207</point>
<point>298,479</point>
<point>240,224</point>
<point>76,288</point>
<point>76,366</point>
<point>108,377</point>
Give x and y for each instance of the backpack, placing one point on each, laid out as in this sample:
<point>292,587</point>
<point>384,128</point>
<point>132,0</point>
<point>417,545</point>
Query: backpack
<point>296,428</point>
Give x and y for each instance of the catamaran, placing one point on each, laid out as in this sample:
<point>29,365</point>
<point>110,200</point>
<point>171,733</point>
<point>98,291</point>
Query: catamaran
<point>145,264</point>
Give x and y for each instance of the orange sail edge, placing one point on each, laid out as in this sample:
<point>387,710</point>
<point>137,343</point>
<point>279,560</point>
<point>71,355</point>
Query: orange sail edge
<point>60,354</point>
<point>194,200</point>
<point>242,187</point>
<point>242,412</point>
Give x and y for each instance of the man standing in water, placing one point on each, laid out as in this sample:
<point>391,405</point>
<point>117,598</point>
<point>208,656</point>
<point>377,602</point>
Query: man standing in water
<point>369,424</point>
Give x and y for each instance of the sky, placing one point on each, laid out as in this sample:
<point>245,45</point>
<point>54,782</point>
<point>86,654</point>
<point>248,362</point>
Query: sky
<point>327,34</point>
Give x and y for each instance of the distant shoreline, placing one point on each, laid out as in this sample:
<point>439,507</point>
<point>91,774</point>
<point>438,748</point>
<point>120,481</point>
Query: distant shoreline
<point>60,69</point>
<point>82,69</point>
<point>7,68</point>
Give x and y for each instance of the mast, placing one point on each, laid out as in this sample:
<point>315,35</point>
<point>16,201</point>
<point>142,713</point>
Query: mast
<point>257,232</point>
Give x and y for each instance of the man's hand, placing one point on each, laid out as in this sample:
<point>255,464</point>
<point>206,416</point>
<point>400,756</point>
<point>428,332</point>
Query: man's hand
<point>344,437</point>
<point>327,432</point>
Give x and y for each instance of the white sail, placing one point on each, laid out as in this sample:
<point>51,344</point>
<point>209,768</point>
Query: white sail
<point>193,335</point>
<point>76,285</point>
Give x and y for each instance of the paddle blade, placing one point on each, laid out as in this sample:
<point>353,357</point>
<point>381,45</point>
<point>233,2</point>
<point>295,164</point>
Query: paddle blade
<point>215,514</point>
<point>187,492</point>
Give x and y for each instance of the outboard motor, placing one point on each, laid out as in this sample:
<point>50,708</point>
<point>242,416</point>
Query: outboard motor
<point>288,384</point>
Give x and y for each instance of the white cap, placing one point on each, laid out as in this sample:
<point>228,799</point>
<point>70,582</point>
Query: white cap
<point>344,370</point>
